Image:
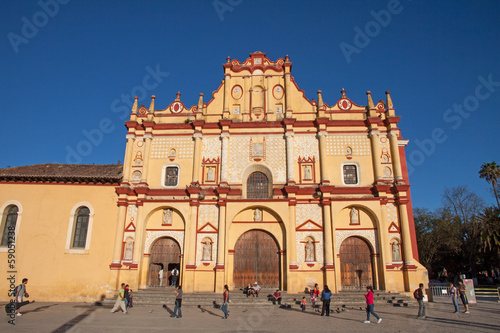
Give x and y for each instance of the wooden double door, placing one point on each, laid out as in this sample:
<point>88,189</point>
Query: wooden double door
<point>256,259</point>
<point>165,253</point>
<point>356,264</point>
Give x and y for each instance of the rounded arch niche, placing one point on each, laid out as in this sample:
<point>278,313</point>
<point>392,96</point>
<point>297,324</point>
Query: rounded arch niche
<point>250,174</point>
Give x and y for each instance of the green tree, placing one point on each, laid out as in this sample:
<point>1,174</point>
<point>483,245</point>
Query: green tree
<point>490,228</point>
<point>491,172</point>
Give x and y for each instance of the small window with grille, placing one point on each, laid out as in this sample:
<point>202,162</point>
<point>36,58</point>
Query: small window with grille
<point>171,176</point>
<point>257,186</point>
<point>350,174</point>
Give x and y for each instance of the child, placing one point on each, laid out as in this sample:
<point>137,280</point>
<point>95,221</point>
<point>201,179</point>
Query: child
<point>303,305</point>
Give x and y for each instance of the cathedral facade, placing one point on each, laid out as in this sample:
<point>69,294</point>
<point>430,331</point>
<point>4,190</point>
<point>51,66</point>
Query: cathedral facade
<point>256,184</point>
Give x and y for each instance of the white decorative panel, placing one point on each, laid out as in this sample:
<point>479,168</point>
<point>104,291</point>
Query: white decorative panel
<point>199,247</point>
<point>276,157</point>
<point>211,147</point>
<point>305,146</point>
<point>239,150</point>
<point>369,235</point>
<point>318,237</point>
<point>151,236</point>
<point>161,147</point>
<point>208,213</point>
<point>309,212</point>
<point>392,213</point>
<point>337,144</point>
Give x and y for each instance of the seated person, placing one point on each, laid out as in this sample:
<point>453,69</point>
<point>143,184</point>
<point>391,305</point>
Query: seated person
<point>249,290</point>
<point>277,297</point>
<point>256,289</point>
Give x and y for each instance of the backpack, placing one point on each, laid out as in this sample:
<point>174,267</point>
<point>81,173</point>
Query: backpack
<point>416,294</point>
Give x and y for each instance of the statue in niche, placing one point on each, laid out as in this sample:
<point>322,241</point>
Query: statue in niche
<point>210,174</point>
<point>172,153</point>
<point>385,158</point>
<point>167,216</point>
<point>128,251</point>
<point>348,151</point>
<point>396,252</point>
<point>354,216</point>
<point>307,172</point>
<point>136,176</point>
<point>207,251</point>
<point>309,251</point>
<point>257,216</point>
<point>387,172</point>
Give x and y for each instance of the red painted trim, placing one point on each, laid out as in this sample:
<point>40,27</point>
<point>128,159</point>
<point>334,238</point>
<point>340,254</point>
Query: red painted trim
<point>130,265</point>
<point>115,266</point>
<point>319,227</point>
<point>328,267</point>
<point>208,232</point>
<point>397,231</point>
<point>293,267</point>
<point>190,267</point>
<point>165,229</point>
<point>355,228</point>
<point>57,183</point>
<point>255,222</point>
<point>309,270</point>
<point>393,266</point>
<point>230,251</point>
<point>219,267</point>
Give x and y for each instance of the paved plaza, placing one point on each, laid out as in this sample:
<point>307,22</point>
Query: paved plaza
<point>79,317</point>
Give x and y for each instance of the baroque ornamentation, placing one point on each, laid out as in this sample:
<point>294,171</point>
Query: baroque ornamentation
<point>161,147</point>
<point>151,236</point>
<point>336,145</point>
<point>199,247</point>
<point>368,235</point>
<point>309,212</point>
<point>305,146</point>
<point>211,148</point>
<point>301,238</point>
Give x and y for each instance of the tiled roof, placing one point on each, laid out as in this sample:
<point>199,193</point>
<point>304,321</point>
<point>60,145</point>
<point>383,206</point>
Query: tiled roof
<point>84,173</point>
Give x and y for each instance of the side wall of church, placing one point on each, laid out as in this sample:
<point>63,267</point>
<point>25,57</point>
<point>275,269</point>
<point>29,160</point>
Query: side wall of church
<point>45,227</point>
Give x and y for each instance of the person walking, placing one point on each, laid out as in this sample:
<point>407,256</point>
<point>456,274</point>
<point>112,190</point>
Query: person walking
<point>454,297</point>
<point>462,289</point>
<point>225,297</point>
<point>326,296</point>
<point>370,305</point>
<point>120,300</point>
<point>419,296</point>
<point>178,303</point>
<point>20,293</point>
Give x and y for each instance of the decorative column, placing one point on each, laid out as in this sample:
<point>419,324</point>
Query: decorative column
<point>197,156</point>
<point>146,157</point>
<point>224,157</point>
<point>322,156</point>
<point>329,268</point>
<point>374,142</point>
<point>129,148</point>
<point>396,163</point>
<point>290,172</point>
<point>220,266</point>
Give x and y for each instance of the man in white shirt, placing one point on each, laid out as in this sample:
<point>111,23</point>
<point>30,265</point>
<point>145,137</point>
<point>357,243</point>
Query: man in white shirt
<point>256,289</point>
<point>160,275</point>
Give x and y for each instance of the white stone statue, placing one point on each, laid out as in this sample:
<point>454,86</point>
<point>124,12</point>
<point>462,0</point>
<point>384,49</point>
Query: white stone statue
<point>128,251</point>
<point>207,251</point>
<point>396,253</point>
<point>307,172</point>
<point>167,216</point>
<point>210,174</point>
<point>309,251</point>
<point>348,151</point>
<point>354,216</point>
<point>257,216</point>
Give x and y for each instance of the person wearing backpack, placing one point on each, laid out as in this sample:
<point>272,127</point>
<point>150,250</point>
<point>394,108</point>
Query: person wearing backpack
<point>20,293</point>
<point>419,296</point>
<point>463,296</point>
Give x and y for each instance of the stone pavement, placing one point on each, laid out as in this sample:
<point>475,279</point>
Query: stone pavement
<point>79,317</point>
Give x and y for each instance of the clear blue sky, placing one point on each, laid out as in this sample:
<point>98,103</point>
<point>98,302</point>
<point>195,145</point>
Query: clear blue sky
<point>68,73</point>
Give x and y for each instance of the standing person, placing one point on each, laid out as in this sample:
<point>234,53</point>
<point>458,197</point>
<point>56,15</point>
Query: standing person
<point>454,297</point>
<point>463,296</point>
<point>326,296</point>
<point>175,276</point>
<point>370,305</point>
<point>128,297</point>
<point>225,304</point>
<point>178,302</point>
<point>160,276</point>
<point>314,294</point>
<point>277,297</point>
<point>303,304</point>
<point>419,296</point>
<point>120,300</point>
<point>20,293</point>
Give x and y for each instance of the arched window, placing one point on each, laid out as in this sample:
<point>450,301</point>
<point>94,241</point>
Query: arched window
<point>80,228</point>
<point>257,186</point>
<point>9,225</point>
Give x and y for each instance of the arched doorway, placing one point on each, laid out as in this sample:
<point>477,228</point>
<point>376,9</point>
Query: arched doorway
<point>356,264</point>
<point>165,253</point>
<point>256,258</point>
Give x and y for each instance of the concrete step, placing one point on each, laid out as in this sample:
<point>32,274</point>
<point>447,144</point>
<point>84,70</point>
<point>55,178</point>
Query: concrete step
<point>160,296</point>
